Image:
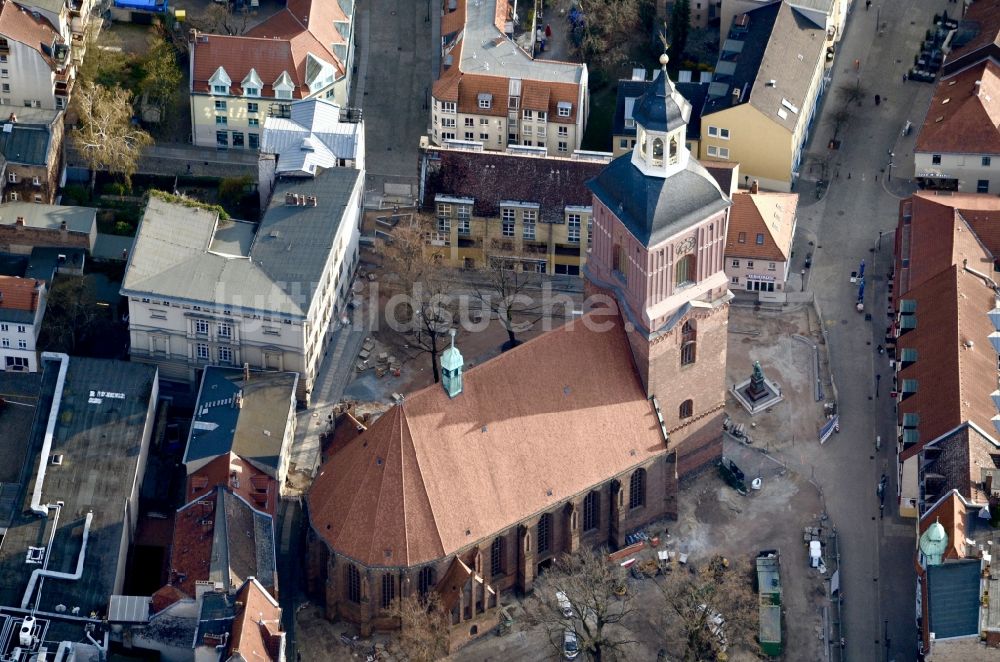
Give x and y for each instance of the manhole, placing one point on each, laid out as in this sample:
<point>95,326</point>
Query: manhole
<point>840,213</point>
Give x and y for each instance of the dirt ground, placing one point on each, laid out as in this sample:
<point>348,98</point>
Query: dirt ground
<point>768,337</point>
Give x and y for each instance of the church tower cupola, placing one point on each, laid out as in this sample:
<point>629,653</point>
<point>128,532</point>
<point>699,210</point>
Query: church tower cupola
<point>451,369</point>
<point>661,116</point>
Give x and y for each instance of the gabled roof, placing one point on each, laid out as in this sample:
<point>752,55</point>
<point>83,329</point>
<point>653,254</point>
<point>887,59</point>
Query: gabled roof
<point>256,633</point>
<point>490,177</point>
<point>34,31</point>
<point>220,537</point>
<point>311,137</point>
<point>961,463</point>
<point>245,417</point>
<point>432,475</point>
<point>18,294</point>
<point>282,43</point>
<point>655,208</point>
<point>964,115</point>
<point>950,513</point>
<point>977,37</point>
<point>781,45</point>
<point>172,254</point>
<point>769,214</point>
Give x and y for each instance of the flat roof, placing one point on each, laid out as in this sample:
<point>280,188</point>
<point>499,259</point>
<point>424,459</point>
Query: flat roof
<point>49,217</point>
<point>485,50</point>
<point>253,430</point>
<point>97,438</point>
<point>233,238</point>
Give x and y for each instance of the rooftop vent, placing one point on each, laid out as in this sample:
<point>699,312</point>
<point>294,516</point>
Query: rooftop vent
<point>772,83</point>
<point>57,459</point>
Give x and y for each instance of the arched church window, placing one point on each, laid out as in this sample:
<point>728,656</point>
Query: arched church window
<point>684,271</point>
<point>657,151</point>
<point>673,149</point>
<point>689,343</point>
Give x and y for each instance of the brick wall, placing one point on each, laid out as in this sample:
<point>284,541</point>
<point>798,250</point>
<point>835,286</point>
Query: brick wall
<point>16,239</point>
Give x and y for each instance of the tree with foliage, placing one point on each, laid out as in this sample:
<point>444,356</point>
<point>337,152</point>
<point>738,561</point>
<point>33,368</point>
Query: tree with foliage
<point>161,80</point>
<point>598,599</point>
<point>105,136</point>
<point>608,30</point>
<point>680,27</point>
<point>709,607</point>
<point>503,292</point>
<point>423,308</point>
<point>423,627</point>
<point>105,63</point>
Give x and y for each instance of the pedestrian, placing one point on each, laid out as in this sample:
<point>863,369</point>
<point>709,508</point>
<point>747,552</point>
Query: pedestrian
<point>878,99</point>
<point>904,76</point>
<point>857,65</point>
<point>848,175</point>
<point>548,31</point>
<point>868,4</point>
<point>543,45</point>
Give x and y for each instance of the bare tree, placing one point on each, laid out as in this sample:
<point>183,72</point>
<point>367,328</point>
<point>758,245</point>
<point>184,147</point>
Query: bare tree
<point>609,28</point>
<point>223,19</point>
<point>424,627</point>
<point>72,314</point>
<point>504,294</point>
<point>105,136</point>
<point>595,604</point>
<point>851,93</point>
<point>709,608</point>
<point>427,310</point>
<point>838,118</point>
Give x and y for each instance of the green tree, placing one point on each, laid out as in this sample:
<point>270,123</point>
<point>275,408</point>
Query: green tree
<point>161,80</point>
<point>680,27</point>
<point>105,136</point>
<point>105,63</point>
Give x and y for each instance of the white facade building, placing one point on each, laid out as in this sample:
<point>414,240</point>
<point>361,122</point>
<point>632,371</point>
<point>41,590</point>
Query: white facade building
<point>22,307</point>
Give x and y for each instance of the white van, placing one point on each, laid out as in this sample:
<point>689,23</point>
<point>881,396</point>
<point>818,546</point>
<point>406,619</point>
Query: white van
<point>564,604</point>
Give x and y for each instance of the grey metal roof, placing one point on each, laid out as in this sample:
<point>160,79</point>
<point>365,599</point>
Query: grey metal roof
<point>233,238</point>
<point>171,256</point>
<point>311,137</point>
<point>49,217</point>
<point>661,107</point>
<point>824,6</point>
<point>98,434</point>
<point>654,208</point>
<point>486,51</point>
<point>953,598</point>
<point>110,247</point>
<point>242,544</point>
<point>255,431</point>
<point>694,93</point>
<point>26,144</point>
<point>780,45</point>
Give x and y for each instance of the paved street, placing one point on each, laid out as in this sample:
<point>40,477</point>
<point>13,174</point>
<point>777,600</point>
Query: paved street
<point>878,582</point>
<point>395,57</point>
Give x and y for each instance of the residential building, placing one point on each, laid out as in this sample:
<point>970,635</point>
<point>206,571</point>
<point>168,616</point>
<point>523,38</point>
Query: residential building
<point>764,93</point>
<point>245,414</point>
<point>71,479</point>
<point>830,15</point>
<point>494,93</point>
<point>977,40</point>
<point>220,538</point>
<point>36,65</point>
<point>25,226</point>
<point>70,18</point>
<point>304,51</point>
<point>214,625</point>
<point>958,147</point>
<point>316,134</point>
<point>22,307</point>
<point>759,240</point>
<point>702,12</point>
<point>629,90</point>
<point>267,292</point>
<point>943,303</point>
<point>530,209</point>
<point>31,148</point>
<point>956,577</point>
<point>639,404</point>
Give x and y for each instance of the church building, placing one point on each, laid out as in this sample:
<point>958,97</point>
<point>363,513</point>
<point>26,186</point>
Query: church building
<point>573,439</point>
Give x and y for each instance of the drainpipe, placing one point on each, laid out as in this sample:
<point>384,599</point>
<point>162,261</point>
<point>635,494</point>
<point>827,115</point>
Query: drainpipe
<point>102,651</point>
<point>60,575</point>
<point>36,497</point>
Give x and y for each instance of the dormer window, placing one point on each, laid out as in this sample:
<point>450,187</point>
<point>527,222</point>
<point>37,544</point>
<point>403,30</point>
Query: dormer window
<point>220,82</point>
<point>564,108</point>
<point>485,100</point>
<point>283,87</point>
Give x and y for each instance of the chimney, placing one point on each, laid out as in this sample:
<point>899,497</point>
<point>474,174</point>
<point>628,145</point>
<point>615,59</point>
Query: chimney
<point>311,200</point>
<point>63,227</point>
<point>290,199</point>
<point>754,188</point>
<point>12,119</point>
<point>246,374</point>
<point>19,223</point>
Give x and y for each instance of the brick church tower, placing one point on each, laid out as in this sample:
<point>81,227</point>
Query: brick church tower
<point>659,232</point>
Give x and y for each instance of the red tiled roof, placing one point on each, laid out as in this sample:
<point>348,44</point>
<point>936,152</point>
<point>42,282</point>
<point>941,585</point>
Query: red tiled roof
<point>964,115</point>
<point>166,596</point>
<point>256,633</point>
<point>19,293</point>
<point>18,24</point>
<point>219,472</point>
<point>769,214</point>
<point>954,380</point>
<point>279,44</point>
<point>433,474</point>
<point>984,15</point>
<point>452,21</point>
<point>191,549</point>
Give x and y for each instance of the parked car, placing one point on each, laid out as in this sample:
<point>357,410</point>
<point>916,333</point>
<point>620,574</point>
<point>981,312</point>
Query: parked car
<point>815,553</point>
<point>564,604</point>
<point>571,645</point>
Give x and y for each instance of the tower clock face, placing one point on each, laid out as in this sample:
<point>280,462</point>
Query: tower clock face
<point>685,246</point>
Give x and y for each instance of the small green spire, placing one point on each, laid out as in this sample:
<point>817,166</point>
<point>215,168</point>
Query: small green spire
<point>451,368</point>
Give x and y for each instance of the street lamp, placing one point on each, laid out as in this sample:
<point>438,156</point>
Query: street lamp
<point>891,155</point>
